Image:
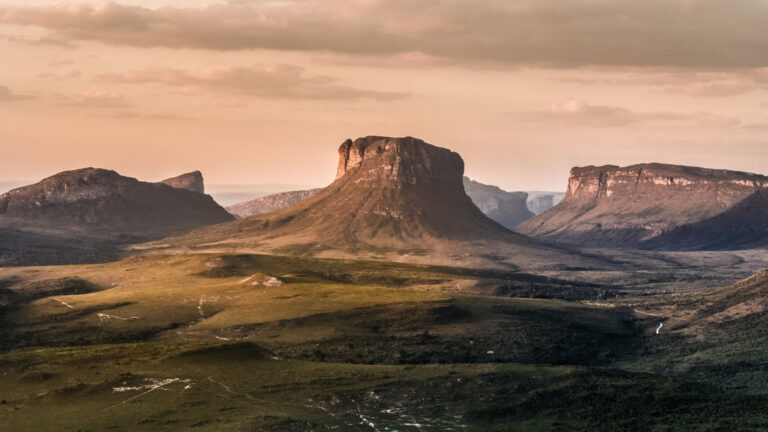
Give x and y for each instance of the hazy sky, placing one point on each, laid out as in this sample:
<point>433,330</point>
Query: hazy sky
<point>253,91</point>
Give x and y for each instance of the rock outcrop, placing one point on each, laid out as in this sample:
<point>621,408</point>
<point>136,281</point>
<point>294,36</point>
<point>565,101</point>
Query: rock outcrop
<point>192,181</point>
<point>96,207</point>
<point>393,199</point>
<point>539,202</point>
<point>270,203</point>
<point>507,208</point>
<point>629,206</point>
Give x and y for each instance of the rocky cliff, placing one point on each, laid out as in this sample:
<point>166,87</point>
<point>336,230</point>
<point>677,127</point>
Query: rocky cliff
<point>506,208</point>
<point>393,199</point>
<point>192,181</point>
<point>627,206</point>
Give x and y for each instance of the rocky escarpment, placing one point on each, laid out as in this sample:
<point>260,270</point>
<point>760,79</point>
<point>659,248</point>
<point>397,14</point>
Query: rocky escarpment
<point>192,181</point>
<point>96,209</point>
<point>629,206</point>
<point>270,203</point>
<point>506,208</point>
<point>400,160</point>
<point>393,198</point>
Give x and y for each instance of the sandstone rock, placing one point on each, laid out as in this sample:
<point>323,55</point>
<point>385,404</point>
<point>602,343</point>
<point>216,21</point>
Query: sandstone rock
<point>192,181</point>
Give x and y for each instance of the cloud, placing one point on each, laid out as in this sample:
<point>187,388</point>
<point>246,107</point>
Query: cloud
<point>61,74</point>
<point>6,95</point>
<point>682,81</point>
<point>133,115</point>
<point>269,81</point>
<point>685,33</point>
<point>574,112</point>
<point>97,99</point>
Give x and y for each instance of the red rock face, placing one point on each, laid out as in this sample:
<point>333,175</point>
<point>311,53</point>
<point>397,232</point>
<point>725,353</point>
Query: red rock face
<point>403,160</point>
<point>625,206</point>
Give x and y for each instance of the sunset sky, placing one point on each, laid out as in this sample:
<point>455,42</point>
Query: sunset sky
<point>265,91</point>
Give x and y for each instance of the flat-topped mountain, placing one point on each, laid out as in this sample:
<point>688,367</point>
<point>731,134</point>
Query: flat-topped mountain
<point>192,181</point>
<point>101,206</point>
<point>393,198</point>
<point>629,206</point>
<point>507,208</point>
<point>270,203</point>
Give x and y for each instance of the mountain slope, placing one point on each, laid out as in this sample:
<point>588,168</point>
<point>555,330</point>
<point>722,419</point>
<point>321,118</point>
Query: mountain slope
<point>506,208</point>
<point>624,207</point>
<point>92,209</point>
<point>743,226</point>
<point>393,198</point>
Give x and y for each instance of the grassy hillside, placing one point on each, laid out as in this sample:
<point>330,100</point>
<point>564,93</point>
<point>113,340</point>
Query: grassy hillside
<point>266,343</point>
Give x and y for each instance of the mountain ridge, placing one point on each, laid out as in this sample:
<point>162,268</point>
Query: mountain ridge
<point>627,206</point>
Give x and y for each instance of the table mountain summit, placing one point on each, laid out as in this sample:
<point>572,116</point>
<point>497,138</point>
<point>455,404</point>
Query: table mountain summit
<point>631,206</point>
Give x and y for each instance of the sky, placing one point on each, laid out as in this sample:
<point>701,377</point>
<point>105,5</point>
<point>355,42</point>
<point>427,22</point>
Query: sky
<point>264,91</point>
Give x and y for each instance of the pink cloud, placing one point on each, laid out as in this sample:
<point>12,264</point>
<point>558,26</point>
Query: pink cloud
<point>524,32</point>
<point>270,81</point>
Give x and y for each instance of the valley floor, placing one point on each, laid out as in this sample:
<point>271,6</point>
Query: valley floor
<point>266,343</point>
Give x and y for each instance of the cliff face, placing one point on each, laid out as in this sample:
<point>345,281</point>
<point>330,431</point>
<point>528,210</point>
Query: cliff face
<point>506,208</point>
<point>399,160</point>
<point>626,206</point>
<point>270,203</point>
<point>192,181</point>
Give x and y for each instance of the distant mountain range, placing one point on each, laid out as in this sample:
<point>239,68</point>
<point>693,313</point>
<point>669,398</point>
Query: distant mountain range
<point>658,206</point>
<point>231,194</point>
